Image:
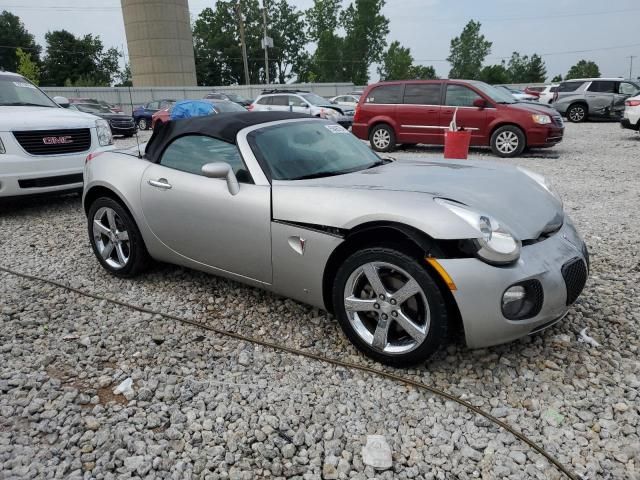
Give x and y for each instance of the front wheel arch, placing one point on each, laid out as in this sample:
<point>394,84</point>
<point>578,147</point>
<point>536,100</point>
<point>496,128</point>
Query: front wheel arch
<point>409,240</point>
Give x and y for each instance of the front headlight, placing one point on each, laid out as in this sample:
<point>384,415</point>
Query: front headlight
<point>104,132</point>
<point>541,119</point>
<point>496,244</point>
<point>542,181</point>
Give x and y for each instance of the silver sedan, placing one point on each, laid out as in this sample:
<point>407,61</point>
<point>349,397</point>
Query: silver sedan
<point>405,254</point>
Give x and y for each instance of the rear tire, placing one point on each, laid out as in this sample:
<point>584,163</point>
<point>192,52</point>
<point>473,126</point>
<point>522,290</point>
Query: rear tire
<point>115,238</point>
<point>382,138</point>
<point>377,316</point>
<point>577,113</point>
<point>508,141</point>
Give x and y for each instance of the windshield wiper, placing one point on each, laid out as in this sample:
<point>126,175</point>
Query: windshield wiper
<point>378,163</point>
<point>318,175</point>
<point>23,104</point>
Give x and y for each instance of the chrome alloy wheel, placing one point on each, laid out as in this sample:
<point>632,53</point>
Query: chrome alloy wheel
<point>387,308</point>
<point>507,142</point>
<point>381,138</point>
<point>577,113</point>
<point>111,238</point>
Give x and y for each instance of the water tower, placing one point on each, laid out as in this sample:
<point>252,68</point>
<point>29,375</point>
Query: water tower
<point>160,42</point>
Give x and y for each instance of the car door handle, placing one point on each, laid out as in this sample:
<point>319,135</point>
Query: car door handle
<point>160,183</point>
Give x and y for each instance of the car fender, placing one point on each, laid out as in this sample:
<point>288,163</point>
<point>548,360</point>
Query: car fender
<point>382,119</point>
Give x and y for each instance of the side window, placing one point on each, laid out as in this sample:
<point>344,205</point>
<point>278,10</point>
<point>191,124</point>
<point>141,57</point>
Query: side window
<point>422,93</point>
<point>264,101</point>
<point>153,105</point>
<point>281,100</point>
<point>601,86</point>
<point>385,94</point>
<point>296,101</point>
<point>627,88</point>
<point>460,96</point>
<point>190,153</point>
<point>569,86</point>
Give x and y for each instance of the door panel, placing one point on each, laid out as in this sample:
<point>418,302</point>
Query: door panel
<point>600,97</point>
<point>419,114</point>
<point>196,217</point>
<point>470,117</point>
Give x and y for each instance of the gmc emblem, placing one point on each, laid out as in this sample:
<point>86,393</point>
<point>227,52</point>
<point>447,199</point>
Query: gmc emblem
<point>57,140</point>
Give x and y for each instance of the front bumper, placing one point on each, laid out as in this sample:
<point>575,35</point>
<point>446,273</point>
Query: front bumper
<point>480,288</point>
<point>544,136</point>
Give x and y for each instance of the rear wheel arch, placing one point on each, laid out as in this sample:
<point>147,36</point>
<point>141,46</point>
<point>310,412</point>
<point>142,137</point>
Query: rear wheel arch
<point>407,239</point>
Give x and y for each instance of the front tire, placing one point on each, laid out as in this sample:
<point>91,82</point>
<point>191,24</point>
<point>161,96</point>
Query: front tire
<point>577,113</point>
<point>389,306</point>
<point>115,238</point>
<point>382,138</point>
<point>143,124</point>
<point>508,141</point>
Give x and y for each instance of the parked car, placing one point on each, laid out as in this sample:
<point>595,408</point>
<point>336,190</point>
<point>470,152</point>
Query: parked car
<point>304,209</point>
<point>231,97</point>
<point>212,107</point>
<point>119,123</point>
<point>518,94</point>
<point>348,100</point>
<point>534,91</point>
<point>585,98</point>
<point>43,146</point>
<point>547,94</point>
<point>110,106</point>
<point>631,116</point>
<point>420,111</point>
<point>142,114</point>
<point>303,102</point>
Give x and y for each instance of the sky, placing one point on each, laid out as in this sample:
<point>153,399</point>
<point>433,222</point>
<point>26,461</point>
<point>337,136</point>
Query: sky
<point>562,31</point>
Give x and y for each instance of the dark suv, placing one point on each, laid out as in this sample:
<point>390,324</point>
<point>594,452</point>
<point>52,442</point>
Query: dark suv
<point>420,111</point>
<point>585,98</point>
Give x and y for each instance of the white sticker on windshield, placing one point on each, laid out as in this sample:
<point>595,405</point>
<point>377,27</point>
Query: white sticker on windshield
<point>336,129</point>
<point>23,85</point>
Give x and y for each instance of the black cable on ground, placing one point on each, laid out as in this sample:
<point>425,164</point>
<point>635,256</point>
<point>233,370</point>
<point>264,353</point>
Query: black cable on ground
<point>313,356</point>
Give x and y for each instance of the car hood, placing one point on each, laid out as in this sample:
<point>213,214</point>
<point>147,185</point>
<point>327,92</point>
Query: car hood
<point>497,190</point>
<point>531,107</point>
<point>43,118</point>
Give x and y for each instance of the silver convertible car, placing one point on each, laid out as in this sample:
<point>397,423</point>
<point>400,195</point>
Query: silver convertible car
<point>406,254</point>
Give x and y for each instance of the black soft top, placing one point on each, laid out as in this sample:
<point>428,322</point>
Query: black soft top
<point>224,126</point>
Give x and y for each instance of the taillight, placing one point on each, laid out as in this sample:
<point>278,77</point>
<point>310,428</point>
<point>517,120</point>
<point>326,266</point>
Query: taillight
<point>356,114</point>
<point>555,96</point>
<point>250,107</point>
<point>632,103</point>
<point>91,156</point>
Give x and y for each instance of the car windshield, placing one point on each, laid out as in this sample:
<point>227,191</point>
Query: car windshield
<point>313,149</point>
<point>314,99</point>
<point>496,94</point>
<point>17,91</point>
<point>228,107</point>
<point>92,108</point>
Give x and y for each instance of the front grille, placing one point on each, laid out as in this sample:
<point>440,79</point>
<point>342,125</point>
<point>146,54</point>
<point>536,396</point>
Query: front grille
<point>122,122</point>
<point>557,120</point>
<point>574,273</point>
<point>54,142</point>
<point>50,181</point>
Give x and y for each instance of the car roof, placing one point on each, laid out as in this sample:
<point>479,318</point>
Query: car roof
<point>224,126</point>
<point>10,74</point>
<point>606,79</point>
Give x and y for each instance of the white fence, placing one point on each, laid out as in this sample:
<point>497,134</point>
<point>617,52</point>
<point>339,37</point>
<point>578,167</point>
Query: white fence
<point>124,97</point>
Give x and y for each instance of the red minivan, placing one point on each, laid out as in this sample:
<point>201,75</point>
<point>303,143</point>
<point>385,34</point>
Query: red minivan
<point>419,111</point>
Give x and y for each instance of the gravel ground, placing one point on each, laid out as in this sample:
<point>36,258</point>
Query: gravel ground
<point>204,406</point>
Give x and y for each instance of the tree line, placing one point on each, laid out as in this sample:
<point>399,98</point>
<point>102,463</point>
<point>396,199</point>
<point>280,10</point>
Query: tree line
<point>326,43</point>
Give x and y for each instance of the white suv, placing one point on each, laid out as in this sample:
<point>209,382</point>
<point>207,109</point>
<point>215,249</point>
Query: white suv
<point>43,146</point>
<point>303,102</point>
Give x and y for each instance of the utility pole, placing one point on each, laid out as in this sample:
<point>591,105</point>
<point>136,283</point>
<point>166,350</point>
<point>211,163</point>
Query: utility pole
<point>264,41</point>
<point>242,42</point>
<point>631,57</point>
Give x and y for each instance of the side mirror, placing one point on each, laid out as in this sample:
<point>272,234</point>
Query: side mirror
<point>222,170</point>
<point>480,103</point>
<point>62,101</point>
